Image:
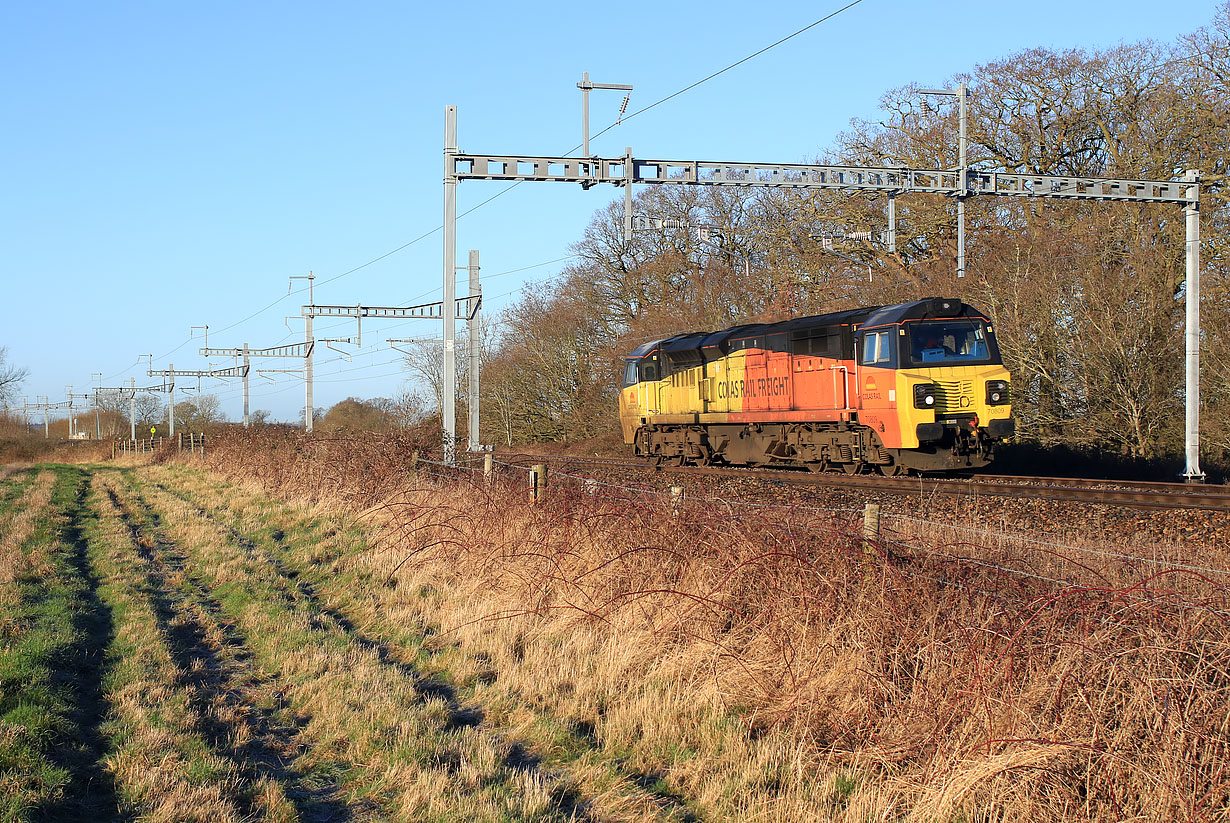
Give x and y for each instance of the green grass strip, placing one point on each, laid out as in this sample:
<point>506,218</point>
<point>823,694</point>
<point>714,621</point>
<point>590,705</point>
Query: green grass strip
<point>49,667</point>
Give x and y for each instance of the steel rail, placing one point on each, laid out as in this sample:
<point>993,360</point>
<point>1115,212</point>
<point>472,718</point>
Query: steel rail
<point>1131,494</point>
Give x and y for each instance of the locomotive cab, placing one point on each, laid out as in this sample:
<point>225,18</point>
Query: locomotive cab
<point>932,382</point>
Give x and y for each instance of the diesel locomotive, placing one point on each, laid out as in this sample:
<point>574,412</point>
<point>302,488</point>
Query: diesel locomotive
<point>915,387</point>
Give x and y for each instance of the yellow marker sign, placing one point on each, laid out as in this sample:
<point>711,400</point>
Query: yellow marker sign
<point>153,429</point>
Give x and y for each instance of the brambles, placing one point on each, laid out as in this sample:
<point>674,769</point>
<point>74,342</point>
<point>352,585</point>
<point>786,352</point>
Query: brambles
<point>746,657</point>
<point>402,641</point>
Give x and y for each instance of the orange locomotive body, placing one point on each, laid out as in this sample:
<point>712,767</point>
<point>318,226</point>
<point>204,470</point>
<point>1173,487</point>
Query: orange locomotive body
<point>916,386</point>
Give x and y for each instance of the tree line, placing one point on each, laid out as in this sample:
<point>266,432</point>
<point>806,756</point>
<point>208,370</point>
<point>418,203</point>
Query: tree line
<point>1087,296</point>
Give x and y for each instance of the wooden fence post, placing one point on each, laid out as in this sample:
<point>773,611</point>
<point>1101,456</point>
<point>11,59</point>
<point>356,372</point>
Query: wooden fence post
<point>538,482</point>
<point>871,530</point>
<point>488,468</point>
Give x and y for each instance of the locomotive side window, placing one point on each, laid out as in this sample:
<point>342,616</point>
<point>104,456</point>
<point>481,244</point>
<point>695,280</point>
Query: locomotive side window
<point>878,349</point>
<point>649,371</point>
<point>630,374</point>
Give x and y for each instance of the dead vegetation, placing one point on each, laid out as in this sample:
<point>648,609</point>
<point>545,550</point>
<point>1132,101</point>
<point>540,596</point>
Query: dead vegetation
<point>758,662</point>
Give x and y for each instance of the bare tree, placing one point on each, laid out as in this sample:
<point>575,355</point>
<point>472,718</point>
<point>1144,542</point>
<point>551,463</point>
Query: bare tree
<point>151,411</point>
<point>11,378</point>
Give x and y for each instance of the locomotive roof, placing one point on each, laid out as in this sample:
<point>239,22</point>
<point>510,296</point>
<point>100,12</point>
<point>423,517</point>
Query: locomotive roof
<point>682,342</point>
<point>934,307</point>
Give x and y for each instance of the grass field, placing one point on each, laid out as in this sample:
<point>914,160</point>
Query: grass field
<point>177,644</point>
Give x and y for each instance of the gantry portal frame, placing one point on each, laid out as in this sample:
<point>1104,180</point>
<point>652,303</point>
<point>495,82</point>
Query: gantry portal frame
<point>171,373</point>
<point>465,308</point>
<point>298,350</point>
<point>961,183</point>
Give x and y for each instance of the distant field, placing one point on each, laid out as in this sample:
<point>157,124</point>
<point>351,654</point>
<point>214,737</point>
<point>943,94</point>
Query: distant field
<point>178,643</point>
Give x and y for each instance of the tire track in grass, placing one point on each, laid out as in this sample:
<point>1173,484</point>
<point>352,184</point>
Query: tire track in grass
<point>223,687</point>
<point>164,770</point>
<point>52,636</point>
<point>460,716</point>
<point>91,792</point>
<point>458,733</point>
<point>646,790</point>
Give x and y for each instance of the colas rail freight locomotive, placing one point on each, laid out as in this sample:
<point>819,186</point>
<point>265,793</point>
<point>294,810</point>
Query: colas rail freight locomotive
<point>913,387</point>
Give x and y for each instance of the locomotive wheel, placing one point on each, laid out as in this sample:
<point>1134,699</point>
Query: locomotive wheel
<point>817,466</point>
<point>891,469</point>
<point>851,468</point>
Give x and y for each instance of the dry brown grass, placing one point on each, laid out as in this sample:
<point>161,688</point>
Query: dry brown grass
<point>162,767</point>
<point>758,662</point>
<point>363,711</point>
<point>17,529</point>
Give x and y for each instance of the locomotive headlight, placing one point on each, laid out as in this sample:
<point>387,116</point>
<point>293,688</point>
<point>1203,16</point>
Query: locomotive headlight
<point>924,396</point>
<point>997,392</point>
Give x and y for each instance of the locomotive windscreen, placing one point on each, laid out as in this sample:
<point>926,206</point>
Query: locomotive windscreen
<point>955,342</point>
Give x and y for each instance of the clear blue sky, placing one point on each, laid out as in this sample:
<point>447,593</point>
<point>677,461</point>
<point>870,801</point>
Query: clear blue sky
<point>169,165</point>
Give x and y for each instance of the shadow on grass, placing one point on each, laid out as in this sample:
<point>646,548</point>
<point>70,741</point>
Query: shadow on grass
<point>209,675</point>
<point>90,793</point>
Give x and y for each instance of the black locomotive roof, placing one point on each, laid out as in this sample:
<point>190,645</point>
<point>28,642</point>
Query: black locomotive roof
<point>837,318</point>
<point>935,307</point>
<point>682,342</point>
<point>716,343</point>
<point>715,339</point>
<point>644,349</point>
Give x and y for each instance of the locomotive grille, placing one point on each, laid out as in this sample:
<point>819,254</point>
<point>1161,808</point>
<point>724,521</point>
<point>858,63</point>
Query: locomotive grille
<point>954,396</point>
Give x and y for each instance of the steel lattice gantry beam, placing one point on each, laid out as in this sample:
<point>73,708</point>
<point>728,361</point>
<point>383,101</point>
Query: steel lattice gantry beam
<point>888,180</point>
<point>627,170</point>
<point>299,350</point>
<point>466,307</point>
<point>291,350</point>
<point>233,371</point>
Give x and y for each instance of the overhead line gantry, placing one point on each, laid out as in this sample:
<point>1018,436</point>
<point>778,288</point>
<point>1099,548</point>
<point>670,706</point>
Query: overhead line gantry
<point>961,183</point>
<point>464,308</point>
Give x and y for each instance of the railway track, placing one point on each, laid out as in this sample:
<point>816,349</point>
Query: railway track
<point>1132,494</point>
